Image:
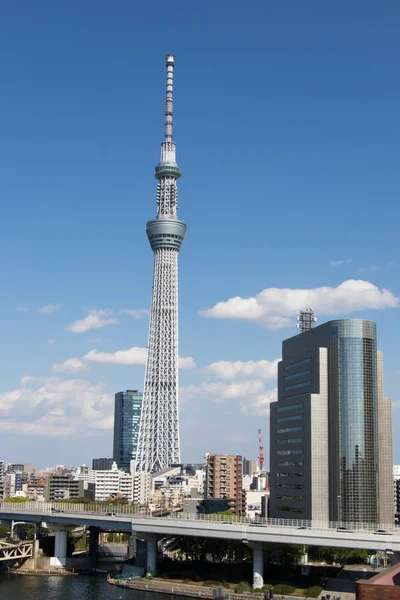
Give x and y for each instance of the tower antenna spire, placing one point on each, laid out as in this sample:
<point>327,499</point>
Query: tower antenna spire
<point>169,102</point>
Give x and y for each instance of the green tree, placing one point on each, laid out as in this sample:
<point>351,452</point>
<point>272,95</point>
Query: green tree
<point>4,531</point>
<point>17,499</point>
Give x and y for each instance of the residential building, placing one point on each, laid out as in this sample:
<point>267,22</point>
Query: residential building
<point>9,485</point>
<point>180,478</point>
<point>127,411</point>
<point>224,479</point>
<point>63,487</point>
<point>20,468</point>
<point>111,483</point>
<point>142,489</point>
<point>254,501</point>
<point>250,467</point>
<point>331,440</point>
<point>102,464</point>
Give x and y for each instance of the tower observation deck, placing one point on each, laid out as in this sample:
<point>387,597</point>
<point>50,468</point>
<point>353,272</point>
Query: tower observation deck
<point>158,445</point>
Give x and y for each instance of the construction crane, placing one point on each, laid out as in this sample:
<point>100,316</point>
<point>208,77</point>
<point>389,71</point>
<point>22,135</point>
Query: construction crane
<point>261,449</point>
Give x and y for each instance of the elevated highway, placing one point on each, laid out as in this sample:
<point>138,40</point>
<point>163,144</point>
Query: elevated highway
<point>253,533</point>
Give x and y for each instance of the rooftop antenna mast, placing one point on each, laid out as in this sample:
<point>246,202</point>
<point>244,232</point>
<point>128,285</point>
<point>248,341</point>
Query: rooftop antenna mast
<point>306,320</point>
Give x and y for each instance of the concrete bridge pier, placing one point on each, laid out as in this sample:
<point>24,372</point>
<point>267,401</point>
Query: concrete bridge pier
<point>258,564</point>
<point>60,548</point>
<point>152,551</point>
<point>93,545</point>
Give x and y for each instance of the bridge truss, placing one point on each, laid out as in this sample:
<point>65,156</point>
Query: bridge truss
<point>17,551</point>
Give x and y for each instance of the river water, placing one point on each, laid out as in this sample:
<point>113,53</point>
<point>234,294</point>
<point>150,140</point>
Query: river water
<point>80,587</point>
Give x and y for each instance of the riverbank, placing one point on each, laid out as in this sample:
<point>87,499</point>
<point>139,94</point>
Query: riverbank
<point>193,591</point>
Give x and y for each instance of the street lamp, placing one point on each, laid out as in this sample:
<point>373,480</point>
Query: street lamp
<point>338,507</point>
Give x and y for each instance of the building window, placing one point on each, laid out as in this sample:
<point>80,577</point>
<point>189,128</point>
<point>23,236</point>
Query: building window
<point>290,486</point>
<point>295,386</point>
<point>298,374</point>
<point>290,429</point>
<point>290,441</point>
<point>290,474</point>
<point>286,452</point>
<point>290,509</point>
<point>290,407</point>
<point>289,463</point>
<point>291,418</point>
<point>300,363</point>
<point>295,498</point>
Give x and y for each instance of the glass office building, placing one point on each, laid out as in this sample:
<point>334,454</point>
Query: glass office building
<point>331,430</point>
<point>127,412</point>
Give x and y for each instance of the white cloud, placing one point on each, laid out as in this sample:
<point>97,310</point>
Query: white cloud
<point>273,307</point>
<point>56,407</point>
<point>337,263</point>
<point>226,369</point>
<point>71,365</point>
<point>250,395</point>
<point>21,308</point>
<point>371,269</point>
<point>186,362</point>
<point>96,319</point>
<point>135,314</point>
<point>390,265</point>
<point>219,392</point>
<point>51,342</point>
<point>259,404</point>
<point>27,379</point>
<point>131,356</point>
<point>49,308</point>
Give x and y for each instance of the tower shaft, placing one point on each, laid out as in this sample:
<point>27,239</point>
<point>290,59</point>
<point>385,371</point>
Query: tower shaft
<point>158,445</point>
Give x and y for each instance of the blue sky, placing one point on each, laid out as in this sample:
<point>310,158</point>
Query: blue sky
<point>288,136</point>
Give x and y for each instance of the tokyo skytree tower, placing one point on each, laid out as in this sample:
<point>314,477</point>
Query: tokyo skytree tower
<point>158,445</point>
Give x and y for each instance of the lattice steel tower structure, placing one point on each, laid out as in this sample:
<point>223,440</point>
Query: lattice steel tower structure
<point>158,445</point>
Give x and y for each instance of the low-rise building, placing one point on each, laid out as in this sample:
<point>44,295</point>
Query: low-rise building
<point>142,489</point>
<point>111,483</point>
<point>63,487</point>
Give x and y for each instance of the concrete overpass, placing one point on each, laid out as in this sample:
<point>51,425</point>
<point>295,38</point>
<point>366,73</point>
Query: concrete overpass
<point>61,517</point>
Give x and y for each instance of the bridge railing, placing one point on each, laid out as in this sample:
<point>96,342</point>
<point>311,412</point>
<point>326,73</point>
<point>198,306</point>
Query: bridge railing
<point>49,508</point>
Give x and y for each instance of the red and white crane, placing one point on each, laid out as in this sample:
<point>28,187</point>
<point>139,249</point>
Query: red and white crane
<point>261,450</point>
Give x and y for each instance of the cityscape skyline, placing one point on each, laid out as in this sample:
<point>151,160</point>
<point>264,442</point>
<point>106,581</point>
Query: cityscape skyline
<point>78,133</point>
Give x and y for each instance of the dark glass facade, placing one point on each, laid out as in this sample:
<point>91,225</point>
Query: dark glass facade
<point>355,438</point>
<point>127,412</point>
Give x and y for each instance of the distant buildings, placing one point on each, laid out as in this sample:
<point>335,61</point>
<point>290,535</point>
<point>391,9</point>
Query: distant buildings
<point>224,480</point>
<point>127,413</point>
<point>331,429</point>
